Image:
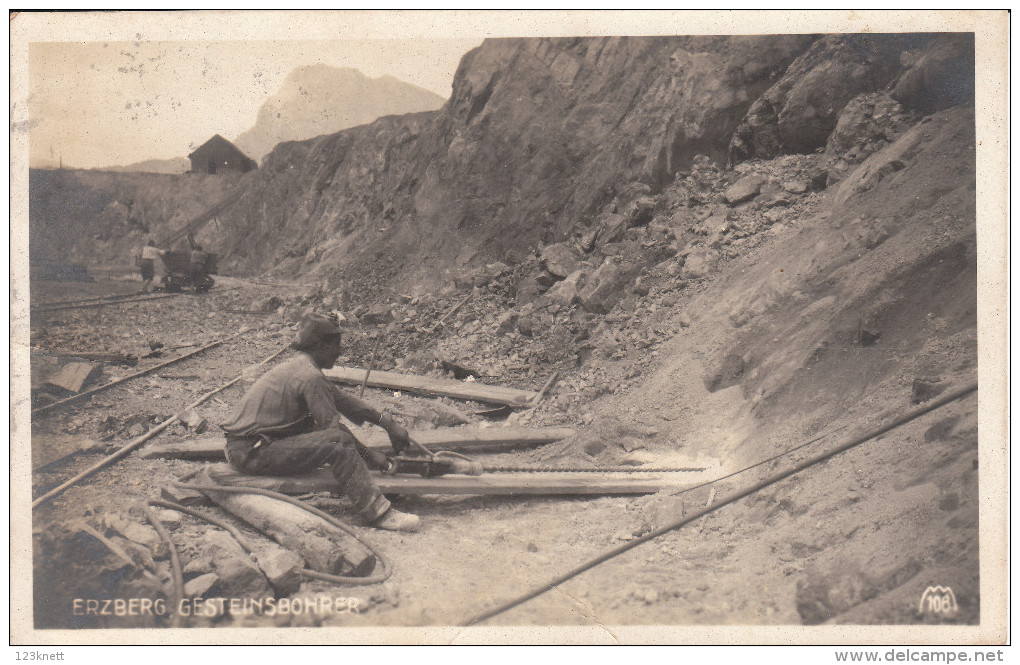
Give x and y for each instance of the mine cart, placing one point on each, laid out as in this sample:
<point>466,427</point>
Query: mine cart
<point>179,274</point>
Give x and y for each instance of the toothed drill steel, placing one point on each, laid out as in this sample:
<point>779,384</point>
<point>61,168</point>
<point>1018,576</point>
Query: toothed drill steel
<point>580,469</point>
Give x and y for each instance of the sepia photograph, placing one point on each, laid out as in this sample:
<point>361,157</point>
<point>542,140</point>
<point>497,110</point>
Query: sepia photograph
<point>458,327</point>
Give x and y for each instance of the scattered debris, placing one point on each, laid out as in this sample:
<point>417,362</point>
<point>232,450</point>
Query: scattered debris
<point>925,389</point>
<point>72,377</point>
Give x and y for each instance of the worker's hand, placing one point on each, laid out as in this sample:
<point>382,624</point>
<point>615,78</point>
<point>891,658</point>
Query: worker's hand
<point>399,437</point>
<point>375,459</point>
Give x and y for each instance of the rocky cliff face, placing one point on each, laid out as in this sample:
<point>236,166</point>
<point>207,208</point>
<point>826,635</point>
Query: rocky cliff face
<point>545,139</point>
<point>539,136</point>
<point>797,114</point>
<point>319,99</point>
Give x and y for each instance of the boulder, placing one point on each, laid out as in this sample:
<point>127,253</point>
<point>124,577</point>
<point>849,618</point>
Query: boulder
<point>608,285</point>
<point>267,305</point>
<point>559,260</point>
<point>199,586</point>
<point>744,189</point>
<point>612,229</point>
<point>587,240</point>
<point>942,77</point>
<point>641,212</point>
<point>377,315</point>
<point>545,279</point>
<point>567,292</point>
<point>797,114</point>
<point>699,263</point>
<point>507,322</point>
<point>239,576</point>
<point>868,122</point>
<point>139,533</point>
<point>923,390</point>
<point>281,567</point>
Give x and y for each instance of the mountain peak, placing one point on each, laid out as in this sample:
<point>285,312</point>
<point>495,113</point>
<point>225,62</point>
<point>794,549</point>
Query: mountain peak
<point>321,99</point>
<point>322,70</point>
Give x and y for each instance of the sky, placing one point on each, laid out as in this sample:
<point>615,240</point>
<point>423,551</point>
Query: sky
<point>98,104</point>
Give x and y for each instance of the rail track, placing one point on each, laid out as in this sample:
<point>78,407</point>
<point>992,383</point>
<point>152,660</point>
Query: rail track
<point>99,302</point>
<point>118,299</point>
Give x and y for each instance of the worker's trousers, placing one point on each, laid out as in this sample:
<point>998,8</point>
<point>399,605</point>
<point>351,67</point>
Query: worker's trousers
<point>301,453</point>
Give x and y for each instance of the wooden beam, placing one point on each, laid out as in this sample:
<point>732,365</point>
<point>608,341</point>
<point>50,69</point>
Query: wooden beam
<point>504,484</point>
<point>426,385</point>
<point>456,439</point>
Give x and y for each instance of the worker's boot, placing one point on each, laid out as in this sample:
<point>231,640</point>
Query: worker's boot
<point>394,520</point>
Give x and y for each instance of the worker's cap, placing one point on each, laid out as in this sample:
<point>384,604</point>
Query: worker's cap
<point>313,329</point>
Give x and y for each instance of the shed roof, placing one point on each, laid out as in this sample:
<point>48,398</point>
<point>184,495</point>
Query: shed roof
<point>218,143</point>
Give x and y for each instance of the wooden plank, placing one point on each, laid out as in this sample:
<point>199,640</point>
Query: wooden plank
<point>457,439</point>
<point>504,484</point>
<point>425,385</point>
<point>74,375</point>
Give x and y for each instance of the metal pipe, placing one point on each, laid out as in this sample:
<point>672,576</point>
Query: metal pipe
<point>175,563</point>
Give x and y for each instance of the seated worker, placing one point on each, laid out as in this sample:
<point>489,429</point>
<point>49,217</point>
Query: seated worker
<point>198,259</point>
<point>147,263</point>
<point>289,422</point>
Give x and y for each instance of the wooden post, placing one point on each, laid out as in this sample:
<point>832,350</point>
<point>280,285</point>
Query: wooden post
<point>545,388</point>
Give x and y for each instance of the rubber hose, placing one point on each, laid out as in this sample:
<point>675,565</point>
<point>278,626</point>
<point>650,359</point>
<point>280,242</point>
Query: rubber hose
<point>175,562</point>
<point>243,542</point>
<point>229,528</point>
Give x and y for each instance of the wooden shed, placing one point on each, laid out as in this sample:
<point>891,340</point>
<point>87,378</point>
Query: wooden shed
<point>217,155</point>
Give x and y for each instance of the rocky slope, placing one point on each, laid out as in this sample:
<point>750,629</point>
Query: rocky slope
<point>320,99</point>
<point>174,166</point>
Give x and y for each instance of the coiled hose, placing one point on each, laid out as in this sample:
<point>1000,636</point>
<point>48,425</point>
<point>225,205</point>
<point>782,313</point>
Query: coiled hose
<point>175,562</point>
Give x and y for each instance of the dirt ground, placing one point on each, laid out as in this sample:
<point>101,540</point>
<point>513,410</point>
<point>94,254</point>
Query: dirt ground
<point>743,567</point>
